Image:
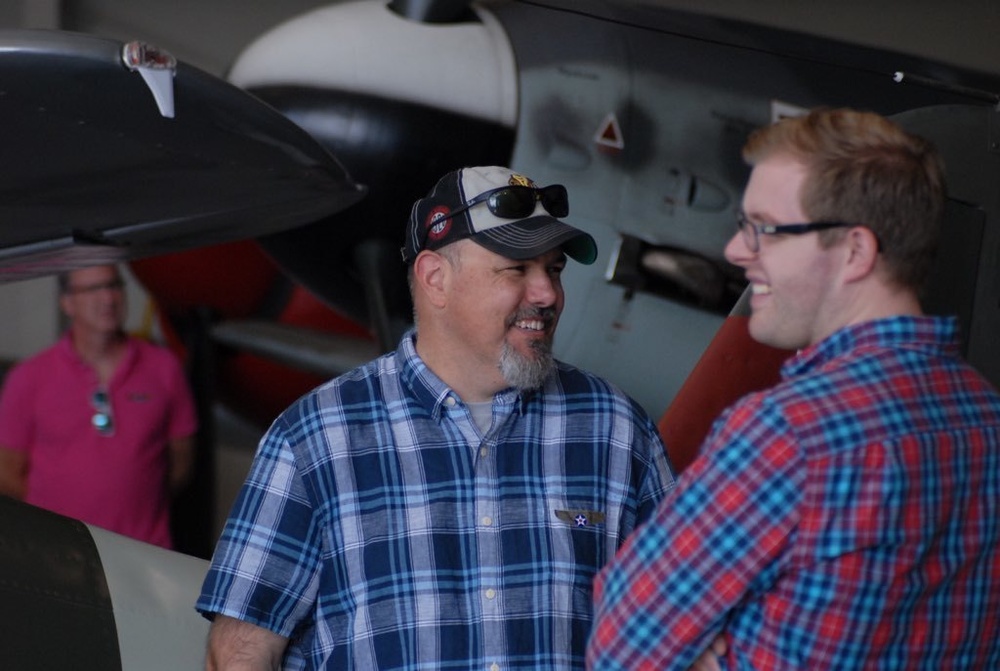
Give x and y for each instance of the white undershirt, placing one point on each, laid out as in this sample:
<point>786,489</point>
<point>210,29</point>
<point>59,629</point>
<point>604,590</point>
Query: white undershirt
<point>482,415</point>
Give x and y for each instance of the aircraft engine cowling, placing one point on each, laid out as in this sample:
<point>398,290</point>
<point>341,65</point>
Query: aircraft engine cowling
<point>399,102</point>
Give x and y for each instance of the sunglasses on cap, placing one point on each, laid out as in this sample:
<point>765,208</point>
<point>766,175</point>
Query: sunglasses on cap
<point>518,202</point>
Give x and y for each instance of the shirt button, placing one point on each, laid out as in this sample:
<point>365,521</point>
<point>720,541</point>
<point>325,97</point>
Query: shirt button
<point>491,594</point>
<point>487,520</point>
<point>483,451</point>
<point>450,401</point>
<point>494,667</point>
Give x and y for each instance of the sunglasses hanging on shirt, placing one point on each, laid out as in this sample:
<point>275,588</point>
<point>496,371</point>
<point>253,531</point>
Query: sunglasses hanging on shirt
<point>103,420</point>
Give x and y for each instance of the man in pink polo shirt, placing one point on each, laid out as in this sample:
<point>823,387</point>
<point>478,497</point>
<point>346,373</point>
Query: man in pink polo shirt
<point>99,426</point>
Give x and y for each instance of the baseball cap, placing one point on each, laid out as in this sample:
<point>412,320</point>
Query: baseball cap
<point>519,222</point>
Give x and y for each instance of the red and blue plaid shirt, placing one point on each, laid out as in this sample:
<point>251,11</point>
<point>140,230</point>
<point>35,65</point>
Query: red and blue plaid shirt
<point>847,518</point>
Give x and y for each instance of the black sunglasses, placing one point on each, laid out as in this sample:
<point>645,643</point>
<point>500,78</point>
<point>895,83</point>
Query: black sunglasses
<point>102,420</point>
<point>517,202</point>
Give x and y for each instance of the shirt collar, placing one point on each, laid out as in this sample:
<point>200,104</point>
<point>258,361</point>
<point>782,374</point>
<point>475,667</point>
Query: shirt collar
<point>429,389</point>
<point>935,335</point>
<point>65,346</point>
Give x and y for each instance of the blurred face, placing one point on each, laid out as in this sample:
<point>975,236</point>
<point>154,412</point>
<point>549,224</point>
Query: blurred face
<point>791,276</point>
<point>94,300</point>
<point>504,313</point>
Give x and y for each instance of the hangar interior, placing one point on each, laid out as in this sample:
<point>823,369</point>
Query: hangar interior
<point>209,34</point>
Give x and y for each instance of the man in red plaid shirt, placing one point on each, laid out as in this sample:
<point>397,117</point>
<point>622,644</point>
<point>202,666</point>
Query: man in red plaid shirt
<point>848,517</point>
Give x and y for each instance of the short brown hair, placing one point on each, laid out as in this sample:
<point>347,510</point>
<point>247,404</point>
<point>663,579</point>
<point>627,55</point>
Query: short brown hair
<point>865,169</point>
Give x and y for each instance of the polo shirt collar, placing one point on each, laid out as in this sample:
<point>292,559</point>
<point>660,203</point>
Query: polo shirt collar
<point>66,349</point>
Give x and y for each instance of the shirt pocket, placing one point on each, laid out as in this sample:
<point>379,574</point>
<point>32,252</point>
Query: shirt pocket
<point>578,531</point>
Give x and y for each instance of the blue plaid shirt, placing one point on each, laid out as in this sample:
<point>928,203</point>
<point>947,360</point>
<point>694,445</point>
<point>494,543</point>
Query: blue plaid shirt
<point>379,529</point>
<point>848,518</point>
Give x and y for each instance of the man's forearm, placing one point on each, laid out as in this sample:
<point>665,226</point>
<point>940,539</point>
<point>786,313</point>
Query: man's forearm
<point>234,645</point>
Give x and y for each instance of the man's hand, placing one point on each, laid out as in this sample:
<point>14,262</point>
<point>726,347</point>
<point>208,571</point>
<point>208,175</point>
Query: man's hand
<point>13,473</point>
<point>709,660</point>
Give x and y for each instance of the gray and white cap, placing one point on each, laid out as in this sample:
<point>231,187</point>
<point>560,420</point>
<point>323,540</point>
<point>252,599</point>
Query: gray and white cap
<point>456,208</point>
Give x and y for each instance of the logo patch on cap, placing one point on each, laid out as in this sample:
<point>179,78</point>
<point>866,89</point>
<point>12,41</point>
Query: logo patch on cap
<point>436,227</point>
<point>520,180</point>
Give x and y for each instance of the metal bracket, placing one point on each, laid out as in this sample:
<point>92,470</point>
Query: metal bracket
<point>157,68</point>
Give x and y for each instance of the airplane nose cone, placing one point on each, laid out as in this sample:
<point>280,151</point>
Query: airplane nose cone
<point>354,75</point>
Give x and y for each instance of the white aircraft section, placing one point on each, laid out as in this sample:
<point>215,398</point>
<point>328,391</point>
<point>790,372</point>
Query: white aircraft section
<point>467,68</point>
<point>153,592</point>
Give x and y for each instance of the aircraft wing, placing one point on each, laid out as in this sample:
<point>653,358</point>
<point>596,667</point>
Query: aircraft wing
<point>116,151</point>
<point>325,353</point>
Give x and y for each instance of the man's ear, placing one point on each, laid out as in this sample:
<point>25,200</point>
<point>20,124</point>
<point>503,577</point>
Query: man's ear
<point>863,250</point>
<point>64,304</point>
<point>430,275</point>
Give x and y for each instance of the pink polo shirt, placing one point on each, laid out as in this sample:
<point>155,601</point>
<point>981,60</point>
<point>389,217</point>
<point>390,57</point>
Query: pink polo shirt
<point>117,482</point>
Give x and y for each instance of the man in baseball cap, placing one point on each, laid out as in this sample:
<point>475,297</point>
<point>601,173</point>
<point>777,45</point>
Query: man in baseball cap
<point>467,477</point>
<point>503,211</point>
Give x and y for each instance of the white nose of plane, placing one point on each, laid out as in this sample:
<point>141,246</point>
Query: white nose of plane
<point>366,48</point>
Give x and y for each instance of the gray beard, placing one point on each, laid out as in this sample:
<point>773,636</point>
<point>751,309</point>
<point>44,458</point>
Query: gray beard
<point>524,372</point>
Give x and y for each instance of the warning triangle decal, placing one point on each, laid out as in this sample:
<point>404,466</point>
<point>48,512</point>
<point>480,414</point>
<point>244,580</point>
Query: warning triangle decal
<point>609,133</point>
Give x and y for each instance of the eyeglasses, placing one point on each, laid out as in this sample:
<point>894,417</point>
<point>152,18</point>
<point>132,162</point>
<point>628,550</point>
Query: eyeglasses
<point>752,232</point>
<point>113,285</point>
<point>516,202</point>
<point>102,420</point>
